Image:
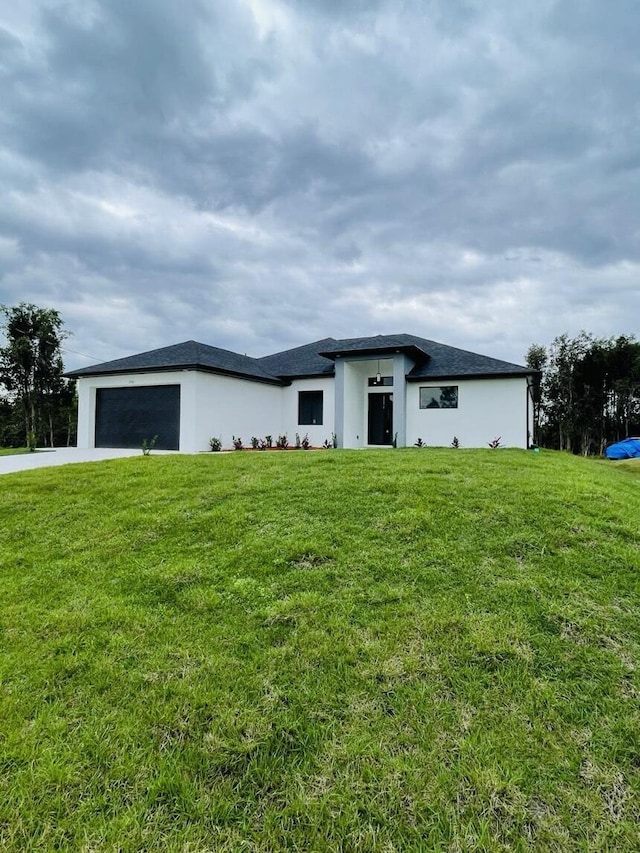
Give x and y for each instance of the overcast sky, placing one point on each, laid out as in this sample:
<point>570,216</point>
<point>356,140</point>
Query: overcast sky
<point>258,174</point>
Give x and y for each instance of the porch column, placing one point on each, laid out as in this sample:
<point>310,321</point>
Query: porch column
<point>339,402</point>
<point>401,366</point>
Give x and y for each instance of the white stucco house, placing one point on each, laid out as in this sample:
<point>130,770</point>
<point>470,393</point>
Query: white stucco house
<point>368,391</point>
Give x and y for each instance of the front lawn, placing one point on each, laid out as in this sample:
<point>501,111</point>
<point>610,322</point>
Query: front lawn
<point>407,650</point>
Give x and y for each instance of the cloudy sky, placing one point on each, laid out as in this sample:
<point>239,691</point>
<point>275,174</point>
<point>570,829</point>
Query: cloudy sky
<point>257,174</point>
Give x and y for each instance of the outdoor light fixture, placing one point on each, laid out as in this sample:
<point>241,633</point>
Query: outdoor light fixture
<point>378,374</point>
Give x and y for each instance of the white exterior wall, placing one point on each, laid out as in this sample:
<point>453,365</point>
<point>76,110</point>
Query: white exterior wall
<point>210,405</point>
<point>487,409</point>
<point>87,386</point>
<point>225,406</point>
<point>214,405</point>
<point>319,433</point>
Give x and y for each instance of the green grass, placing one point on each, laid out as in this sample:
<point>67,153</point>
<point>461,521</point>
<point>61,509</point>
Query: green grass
<point>411,650</point>
<point>14,451</point>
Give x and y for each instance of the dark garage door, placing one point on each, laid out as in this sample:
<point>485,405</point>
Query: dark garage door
<point>125,417</point>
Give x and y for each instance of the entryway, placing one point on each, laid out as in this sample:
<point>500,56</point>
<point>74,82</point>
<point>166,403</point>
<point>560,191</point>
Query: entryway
<point>380,419</point>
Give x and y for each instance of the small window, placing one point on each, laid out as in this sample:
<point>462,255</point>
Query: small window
<point>309,407</point>
<point>442,397</point>
<point>374,382</point>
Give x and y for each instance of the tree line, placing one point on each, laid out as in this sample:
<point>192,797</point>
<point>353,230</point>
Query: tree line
<point>587,392</point>
<point>37,404</point>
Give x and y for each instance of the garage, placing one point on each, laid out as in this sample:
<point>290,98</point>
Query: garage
<point>126,417</point>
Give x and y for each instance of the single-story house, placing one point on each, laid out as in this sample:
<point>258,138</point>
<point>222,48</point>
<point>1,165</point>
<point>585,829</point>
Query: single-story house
<point>369,392</point>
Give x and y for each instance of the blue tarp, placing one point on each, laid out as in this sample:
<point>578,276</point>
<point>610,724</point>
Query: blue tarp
<point>627,449</point>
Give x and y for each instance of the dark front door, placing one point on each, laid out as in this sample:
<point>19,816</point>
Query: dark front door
<point>380,419</point>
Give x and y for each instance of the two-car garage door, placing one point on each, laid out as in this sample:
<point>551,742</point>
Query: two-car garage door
<point>125,417</point>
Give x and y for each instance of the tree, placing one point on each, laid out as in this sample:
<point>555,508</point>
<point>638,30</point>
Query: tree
<point>590,391</point>
<point>536,359</point>
<point>560,388</point>
<point>10,424</point>
<point>624,371</point>
<point>31,367</point>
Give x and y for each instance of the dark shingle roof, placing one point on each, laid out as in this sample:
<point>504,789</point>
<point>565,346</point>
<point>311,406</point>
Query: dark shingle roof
<point>301,361</point>
<point>189,354</point>
<point>432,360</point>
<point>377,344</point>
<point>450,362</point>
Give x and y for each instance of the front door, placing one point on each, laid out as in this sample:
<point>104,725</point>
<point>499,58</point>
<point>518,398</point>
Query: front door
<point>380,419</point>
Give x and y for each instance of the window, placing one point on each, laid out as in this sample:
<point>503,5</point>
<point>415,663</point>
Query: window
<point>443,397</point>
<point>309,407</point>
<point>384,380</point>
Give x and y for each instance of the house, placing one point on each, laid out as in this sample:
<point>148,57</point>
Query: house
<point>368,391</point>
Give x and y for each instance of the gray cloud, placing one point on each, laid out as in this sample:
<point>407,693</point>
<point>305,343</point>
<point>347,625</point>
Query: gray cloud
<point>261,173</point>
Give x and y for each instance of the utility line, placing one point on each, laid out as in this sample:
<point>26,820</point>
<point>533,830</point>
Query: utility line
<point>62,348</point>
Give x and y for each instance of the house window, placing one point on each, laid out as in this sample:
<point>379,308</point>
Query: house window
<point>309,407</point>
<point>439,397</point>
<point>384,380</point>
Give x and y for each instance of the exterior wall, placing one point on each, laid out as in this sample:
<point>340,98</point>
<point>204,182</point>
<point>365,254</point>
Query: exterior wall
<point>487,408</point>
<point>209,405</point>
<point>225,406</point>
<point>213,405</point>
<point>319,433</point>
<point>87,386</point>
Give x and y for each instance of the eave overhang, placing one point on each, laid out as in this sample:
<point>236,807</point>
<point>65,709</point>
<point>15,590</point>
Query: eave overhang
<point>415,352</point>
<point>265,380</point>
<point>442,376</point>
<point>289,378</point>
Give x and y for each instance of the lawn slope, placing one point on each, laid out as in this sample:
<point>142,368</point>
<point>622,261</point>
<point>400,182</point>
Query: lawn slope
<point>343,651</point>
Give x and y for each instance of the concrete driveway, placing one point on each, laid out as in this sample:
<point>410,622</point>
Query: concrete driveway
<point>62,456</point>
